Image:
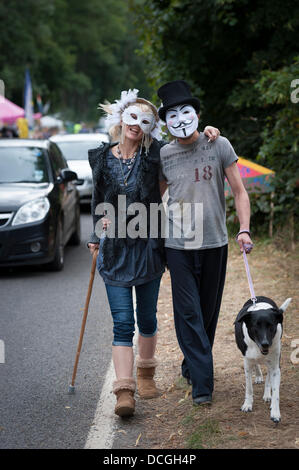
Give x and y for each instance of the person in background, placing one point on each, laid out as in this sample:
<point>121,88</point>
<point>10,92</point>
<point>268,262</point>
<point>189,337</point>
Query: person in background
<point>8,132</point>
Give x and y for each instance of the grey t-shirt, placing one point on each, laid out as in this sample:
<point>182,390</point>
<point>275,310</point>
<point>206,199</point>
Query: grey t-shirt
<point>196,204</point>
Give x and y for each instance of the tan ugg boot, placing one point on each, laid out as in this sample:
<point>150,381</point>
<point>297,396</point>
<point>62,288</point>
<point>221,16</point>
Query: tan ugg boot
<point>124,390</point>
<point>145,378</point>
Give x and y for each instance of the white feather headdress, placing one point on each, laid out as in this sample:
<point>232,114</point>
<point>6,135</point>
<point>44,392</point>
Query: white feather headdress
<point>114,112</point>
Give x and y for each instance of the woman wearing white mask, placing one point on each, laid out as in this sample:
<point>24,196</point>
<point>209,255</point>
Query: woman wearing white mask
<point>125,173</point>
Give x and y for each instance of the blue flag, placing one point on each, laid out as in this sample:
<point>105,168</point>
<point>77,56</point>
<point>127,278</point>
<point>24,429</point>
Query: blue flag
<point>28,101</point>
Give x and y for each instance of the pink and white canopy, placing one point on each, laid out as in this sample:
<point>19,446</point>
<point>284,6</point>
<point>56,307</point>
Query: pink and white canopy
<point>10,112</point>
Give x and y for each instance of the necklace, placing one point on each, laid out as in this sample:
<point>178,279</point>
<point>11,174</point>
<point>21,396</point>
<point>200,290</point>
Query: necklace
<point>129,162</point>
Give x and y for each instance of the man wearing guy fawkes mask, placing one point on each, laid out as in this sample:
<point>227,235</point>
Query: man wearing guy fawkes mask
<point>194,169</point>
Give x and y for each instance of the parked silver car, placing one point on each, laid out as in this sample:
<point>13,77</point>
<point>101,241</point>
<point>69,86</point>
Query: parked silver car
<point>75,149</point>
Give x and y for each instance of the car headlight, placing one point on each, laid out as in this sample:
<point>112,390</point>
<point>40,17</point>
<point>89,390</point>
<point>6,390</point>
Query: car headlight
<point>32,211</point>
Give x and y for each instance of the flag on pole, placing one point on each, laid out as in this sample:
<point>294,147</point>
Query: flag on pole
<point>46,107</point>
<point>39,103</point>
<point>2,91</point>
<point>28,102</point>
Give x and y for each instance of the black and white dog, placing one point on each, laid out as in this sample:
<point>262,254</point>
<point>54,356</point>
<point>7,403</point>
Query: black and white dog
<point>258,331</point>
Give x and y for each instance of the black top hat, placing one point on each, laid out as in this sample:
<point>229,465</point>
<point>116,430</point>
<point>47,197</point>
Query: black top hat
<point>175,93</point>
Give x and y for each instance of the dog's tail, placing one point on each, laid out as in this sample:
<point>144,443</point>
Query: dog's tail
<point>285,305</point>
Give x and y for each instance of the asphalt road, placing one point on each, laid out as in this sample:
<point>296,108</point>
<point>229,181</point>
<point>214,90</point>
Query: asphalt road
<point>40,320</point>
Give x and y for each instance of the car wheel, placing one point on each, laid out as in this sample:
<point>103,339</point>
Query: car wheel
<point>58,261</point>
<point>76,237</point>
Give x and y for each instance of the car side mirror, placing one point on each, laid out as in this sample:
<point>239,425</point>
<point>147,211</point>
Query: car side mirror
<point>68,175</point>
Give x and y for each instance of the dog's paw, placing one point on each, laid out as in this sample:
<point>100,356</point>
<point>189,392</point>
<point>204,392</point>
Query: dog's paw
<point>246,407</point>
<point>275,414</point>
<point>275,419</point>
<point>267,398</point>
<point>259,380</point>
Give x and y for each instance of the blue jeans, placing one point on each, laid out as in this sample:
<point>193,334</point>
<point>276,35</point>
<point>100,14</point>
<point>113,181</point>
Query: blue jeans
<point>122,309</point>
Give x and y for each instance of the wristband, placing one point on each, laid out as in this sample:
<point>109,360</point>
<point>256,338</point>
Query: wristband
<point>242,231</point>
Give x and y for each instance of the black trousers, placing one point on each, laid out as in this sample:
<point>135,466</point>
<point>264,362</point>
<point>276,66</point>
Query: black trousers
<point>197,281</point>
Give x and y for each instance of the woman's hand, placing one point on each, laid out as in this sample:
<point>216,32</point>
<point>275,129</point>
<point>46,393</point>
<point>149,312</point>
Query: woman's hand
<point>211,132</point>
<point>93,247</point>
<point>106,222</point>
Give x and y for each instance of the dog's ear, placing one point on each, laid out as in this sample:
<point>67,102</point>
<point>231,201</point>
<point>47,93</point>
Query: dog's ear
<point>285,305</point>
<point>278,314</point>
<point>243,315</point>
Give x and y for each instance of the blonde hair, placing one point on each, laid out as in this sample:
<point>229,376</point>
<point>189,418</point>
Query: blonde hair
<point>116,131</point>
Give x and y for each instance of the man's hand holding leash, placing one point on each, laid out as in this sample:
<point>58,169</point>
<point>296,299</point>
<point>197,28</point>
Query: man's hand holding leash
<point>244,240</point>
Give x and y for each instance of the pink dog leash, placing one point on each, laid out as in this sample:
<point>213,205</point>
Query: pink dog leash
<point>247,247</point>
<point>253,297</point>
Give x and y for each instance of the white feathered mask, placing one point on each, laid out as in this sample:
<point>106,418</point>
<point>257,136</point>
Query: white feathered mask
<point>123,109</point>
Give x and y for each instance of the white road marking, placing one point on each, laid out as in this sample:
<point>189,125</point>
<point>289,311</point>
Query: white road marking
<point>102,431</point>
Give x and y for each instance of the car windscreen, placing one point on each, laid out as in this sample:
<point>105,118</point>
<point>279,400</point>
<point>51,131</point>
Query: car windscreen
<point>23,165</point>
<point>77,150</point>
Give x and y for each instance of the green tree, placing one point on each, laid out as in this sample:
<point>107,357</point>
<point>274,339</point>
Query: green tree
<point>215,44</point>
<point>79,53</point>
<point>239,58</point>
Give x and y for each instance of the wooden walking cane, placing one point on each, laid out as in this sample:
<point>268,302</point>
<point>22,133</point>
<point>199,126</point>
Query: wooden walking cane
<point>93,268</point>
